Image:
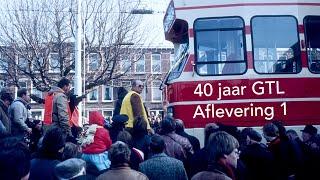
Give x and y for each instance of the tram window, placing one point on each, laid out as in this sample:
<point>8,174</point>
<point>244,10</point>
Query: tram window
<point>219,46</point>
<point>312,29</point>
<point>276,46</point>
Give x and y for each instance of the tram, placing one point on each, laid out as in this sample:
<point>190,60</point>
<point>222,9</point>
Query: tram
<point>244,62</point>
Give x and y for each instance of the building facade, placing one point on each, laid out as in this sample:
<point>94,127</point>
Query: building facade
<point>150,67</point>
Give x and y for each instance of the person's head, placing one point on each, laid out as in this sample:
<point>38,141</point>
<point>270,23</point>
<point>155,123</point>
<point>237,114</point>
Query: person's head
<point>71,150</point>
<point>270,132</point>
<point>23,94</point>
<point>292,134</point>
<point>137,86</point>
<point>253,137</point>
<point>223,146</point>
<point>157,144</point>
<point>119,154</point>
<point>6,96</point>
<point>208,130</point>
<point>308,132</point>
<point>167,125</point>
<point>53,142</point>
<point>95,117</point>
<point>125,136</point>
<point>315,143</point>
<point>14,159</point>
<point>281,128</point>
<point>64,84</point>
<point>179,125</point>
<point>70,168</point>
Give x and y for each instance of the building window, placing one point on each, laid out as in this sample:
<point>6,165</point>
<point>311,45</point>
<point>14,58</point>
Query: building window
<point>37,114</point>
<point>156,63</point>
<point>94,61</point>
<point>140,64</point>
<point>312,29</point>
<point>23,64</point>
<point>36,92</point>
<point>126,84</point>
<point>93,95</point>
<point>223,52</point>
<point>276,47</point>
<point>125,64</point>
<point>107,114</point>
<point>156,92</point>
<point>54,63</point>
<point>3,64</point>
<point>107,93</point>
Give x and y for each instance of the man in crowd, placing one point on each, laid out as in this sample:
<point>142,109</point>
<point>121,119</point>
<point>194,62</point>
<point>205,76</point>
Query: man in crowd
<point>18,114</point>
<point>60,113</point>
<point>119,155</point>
<point>5,101</point>
<point>160,165</point>
<point>14,159</point>
<point>133,106</point>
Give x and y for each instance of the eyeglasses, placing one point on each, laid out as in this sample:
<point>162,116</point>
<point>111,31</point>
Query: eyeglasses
<point>141,86</point>
<point>237,151</point>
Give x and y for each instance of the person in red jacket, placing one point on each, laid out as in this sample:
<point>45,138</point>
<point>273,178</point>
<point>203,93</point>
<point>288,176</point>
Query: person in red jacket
<point>96,143</point>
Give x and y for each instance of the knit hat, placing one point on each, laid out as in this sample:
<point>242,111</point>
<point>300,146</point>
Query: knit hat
<point>95,117</point>
<point>122,118</point>
<point>70,168</point>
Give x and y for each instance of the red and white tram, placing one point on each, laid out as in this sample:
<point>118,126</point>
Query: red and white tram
<point>244,62</point>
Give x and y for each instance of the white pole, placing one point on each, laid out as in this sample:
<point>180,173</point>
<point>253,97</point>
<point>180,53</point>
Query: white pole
<point>77,78</point>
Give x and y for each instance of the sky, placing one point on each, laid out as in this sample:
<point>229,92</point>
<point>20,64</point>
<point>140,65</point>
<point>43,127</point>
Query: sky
<point>154,22</point>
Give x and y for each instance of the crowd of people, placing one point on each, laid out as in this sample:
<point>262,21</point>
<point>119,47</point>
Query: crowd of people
<point>133,147</point>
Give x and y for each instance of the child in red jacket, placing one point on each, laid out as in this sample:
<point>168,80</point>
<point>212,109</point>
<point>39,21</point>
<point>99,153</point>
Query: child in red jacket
<point>96,142</point>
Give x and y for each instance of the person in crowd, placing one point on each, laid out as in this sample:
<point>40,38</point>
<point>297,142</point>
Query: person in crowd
<point>287,156</point>
<point>117,125</point>
<point>223,157</point>
<point>119,155</point>
<point>136,155</point>
<point>161,166</point>
<point>311,166</point>
<point>71,150</point>
<point>96,142</point>
<point>122,92</point>
<point>72,169</point>
<point>199,161</point>
<point>257,158</point>
<point>193,140</point>
<point>307,133</point>
<point>14,159</point>
<point>57,107</point>
<point>18,114</point>
<point>140,137</point>
<point>132,105</point>
<point>37,133</point>
<point>176,145</point>
<point>49,155</point>
<point>292,135</point>
<point>5,123</point>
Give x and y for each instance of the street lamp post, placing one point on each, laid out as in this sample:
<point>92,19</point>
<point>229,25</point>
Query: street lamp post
<point>77,77</point>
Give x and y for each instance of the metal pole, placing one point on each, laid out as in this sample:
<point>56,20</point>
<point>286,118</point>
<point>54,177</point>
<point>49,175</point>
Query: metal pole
<point>77,78</point>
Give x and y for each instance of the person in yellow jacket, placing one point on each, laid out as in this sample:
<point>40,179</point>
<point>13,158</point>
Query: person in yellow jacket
<point>132,104</point>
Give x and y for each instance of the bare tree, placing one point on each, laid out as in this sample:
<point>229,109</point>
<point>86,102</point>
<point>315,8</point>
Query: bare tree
<point>37,40</point>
